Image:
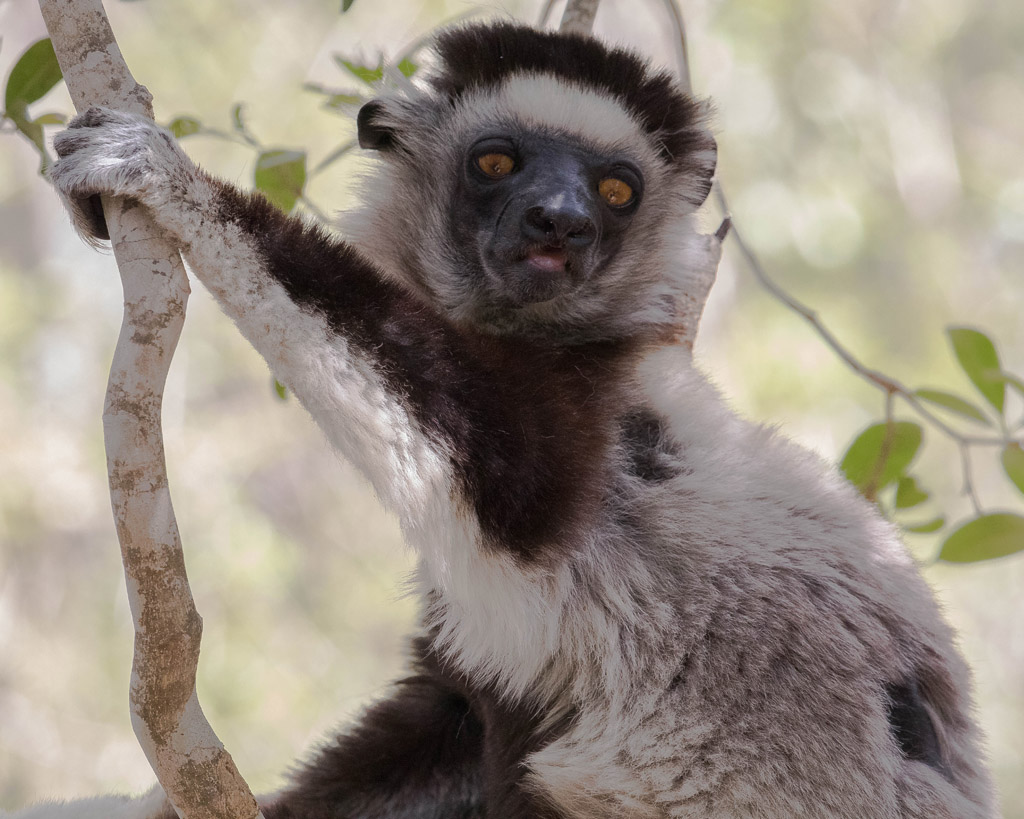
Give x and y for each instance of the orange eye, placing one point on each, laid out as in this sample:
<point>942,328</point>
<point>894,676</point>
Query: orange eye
<point>615,192</point>
<point>496,165</point>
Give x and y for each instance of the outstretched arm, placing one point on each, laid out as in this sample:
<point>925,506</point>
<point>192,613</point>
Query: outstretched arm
<point>310,305</point>
<point>443,420</point>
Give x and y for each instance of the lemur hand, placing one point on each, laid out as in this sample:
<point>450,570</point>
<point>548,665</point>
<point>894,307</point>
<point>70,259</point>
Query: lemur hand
<point>109,152</point>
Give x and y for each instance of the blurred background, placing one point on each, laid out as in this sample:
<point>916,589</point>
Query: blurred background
<point>872,153</point>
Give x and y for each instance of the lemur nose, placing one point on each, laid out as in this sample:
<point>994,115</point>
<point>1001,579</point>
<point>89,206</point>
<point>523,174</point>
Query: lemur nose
<point>566,225</point>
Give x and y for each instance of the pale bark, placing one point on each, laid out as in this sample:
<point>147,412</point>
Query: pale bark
<point>196,772</point>
<point>578,17</point>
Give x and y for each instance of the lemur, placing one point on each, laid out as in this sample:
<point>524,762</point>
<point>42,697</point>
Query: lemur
<point>634,603</point>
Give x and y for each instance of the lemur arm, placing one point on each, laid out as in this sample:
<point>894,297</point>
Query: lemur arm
<point>312,307</point>
<point>437,417</point>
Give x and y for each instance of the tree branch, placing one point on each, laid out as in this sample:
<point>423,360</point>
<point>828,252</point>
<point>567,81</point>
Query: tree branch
<point>887,384</point>
<point>196,772</point>
<point>578,17</point>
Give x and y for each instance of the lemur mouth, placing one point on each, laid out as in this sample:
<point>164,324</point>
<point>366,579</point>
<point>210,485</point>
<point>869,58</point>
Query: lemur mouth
<point>549,259</point>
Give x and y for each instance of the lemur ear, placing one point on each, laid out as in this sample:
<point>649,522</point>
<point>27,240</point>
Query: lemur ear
<point>701,162</point>
<point>374,133</point>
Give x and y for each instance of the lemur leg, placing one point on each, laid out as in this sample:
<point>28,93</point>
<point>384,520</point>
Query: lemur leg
<point>415,755</point>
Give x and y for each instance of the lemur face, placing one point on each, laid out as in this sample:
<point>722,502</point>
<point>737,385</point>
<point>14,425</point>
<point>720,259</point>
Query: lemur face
<point>538,214</point>
<point>539,185</point>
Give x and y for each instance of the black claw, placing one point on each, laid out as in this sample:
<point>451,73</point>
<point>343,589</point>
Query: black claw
<point>92,209</point>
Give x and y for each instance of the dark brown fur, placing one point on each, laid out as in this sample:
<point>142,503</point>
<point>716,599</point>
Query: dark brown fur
<point>528,424</point>
<point>477,56</point>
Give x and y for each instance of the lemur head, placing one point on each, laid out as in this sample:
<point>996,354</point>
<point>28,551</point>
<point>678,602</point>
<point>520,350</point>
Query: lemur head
<point>539,183</point>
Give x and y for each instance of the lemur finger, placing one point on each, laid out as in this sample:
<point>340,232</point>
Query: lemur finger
<point>96,115</point>
<point>67,142</point>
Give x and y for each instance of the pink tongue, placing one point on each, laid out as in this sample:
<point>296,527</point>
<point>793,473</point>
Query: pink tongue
<point>551,261</point>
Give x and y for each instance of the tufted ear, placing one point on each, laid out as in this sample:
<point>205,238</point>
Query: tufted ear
<point>375,132</point>
<point>700,164</point>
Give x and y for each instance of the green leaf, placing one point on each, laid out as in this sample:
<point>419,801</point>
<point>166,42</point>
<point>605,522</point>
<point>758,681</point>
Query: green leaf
<point>33,131</point>
<point>370,76</point>
<point>51,119</point>
<point>932,525</point>
<point>184,126</point>
<point>978,358</point>
<point>868,467</point>
<point>341,102</point>
<point>953,403</point>
<point>35,73</point>
<point>281,390</point>
<point>346,5</point>
<point>281,176</point>
<point>985,538</point>
<point>909,494</point>
<point>1013,463</point>
<point>408,67</point>
<point>335,101</point>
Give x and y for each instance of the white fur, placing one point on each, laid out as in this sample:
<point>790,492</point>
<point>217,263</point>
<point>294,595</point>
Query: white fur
<point>757,509</point>
<point>495,622</point>
<point>542,101</point>
<point>150,804</point>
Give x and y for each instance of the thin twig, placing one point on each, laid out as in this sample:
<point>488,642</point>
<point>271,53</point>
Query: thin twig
<point>682,50</point>
<point>884,382</point>
<point>227,136</point>
<point>968,484</point>
<point>889,385</point>
<point>333,156</point>
<point>578,17</point>
<point>545,14</point>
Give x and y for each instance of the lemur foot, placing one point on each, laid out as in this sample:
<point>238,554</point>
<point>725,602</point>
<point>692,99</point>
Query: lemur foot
<point>117,154</point>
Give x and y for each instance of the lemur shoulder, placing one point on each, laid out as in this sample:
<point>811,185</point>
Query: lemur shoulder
<point>634,603</point>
